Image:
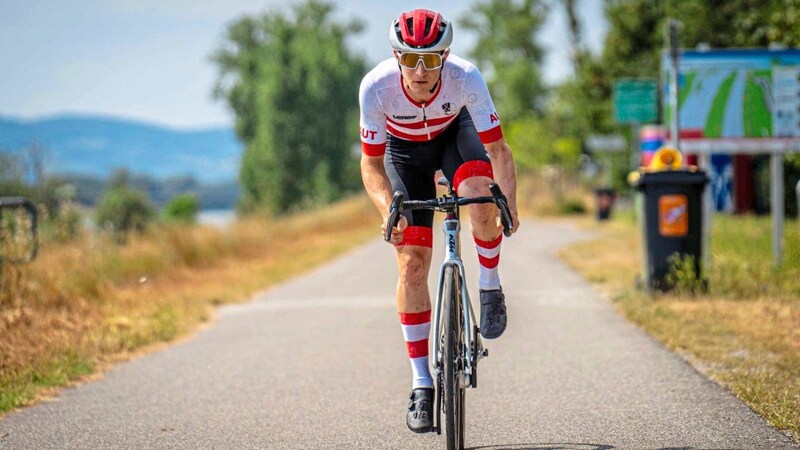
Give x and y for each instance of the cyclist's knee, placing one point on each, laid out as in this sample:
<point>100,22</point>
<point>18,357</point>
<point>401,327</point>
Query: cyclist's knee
<point>472,179</point>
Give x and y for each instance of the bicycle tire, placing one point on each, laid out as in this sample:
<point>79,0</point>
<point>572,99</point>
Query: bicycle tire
<point>453,361</point>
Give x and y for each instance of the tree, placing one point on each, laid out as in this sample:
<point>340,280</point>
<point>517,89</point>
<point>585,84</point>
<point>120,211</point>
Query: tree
<point>182,208</point>
<point>508,53</point>
<point>123,210</point>
<point>292,84</point>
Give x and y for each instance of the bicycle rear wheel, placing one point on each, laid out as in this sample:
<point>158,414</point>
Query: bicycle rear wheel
<point>453,367</point>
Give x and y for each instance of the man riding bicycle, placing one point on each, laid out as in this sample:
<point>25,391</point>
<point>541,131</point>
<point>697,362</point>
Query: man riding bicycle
<point>421,111</point>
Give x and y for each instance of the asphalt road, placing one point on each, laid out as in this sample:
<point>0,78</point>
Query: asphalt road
<point>320,363</point>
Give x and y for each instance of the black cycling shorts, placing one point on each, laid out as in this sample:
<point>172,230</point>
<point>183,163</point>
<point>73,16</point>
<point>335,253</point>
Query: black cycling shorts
<point>411,167</point>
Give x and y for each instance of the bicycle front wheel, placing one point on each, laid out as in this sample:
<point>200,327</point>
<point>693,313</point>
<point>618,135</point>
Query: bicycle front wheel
<point>453,367</point>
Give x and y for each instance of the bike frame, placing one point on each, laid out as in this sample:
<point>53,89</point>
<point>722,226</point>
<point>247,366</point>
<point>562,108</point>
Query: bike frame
<point>452,230</point>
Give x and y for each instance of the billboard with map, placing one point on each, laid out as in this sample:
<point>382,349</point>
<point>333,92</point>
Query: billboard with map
<point>735,101</point>
<point>737,94</point>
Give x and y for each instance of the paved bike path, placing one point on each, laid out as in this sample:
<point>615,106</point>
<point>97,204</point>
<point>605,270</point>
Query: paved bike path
<point>320,362</point>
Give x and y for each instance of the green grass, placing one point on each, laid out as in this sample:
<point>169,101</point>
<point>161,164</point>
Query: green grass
<point>757,118</point>
<point>20,388</point>
<point>716,116</point>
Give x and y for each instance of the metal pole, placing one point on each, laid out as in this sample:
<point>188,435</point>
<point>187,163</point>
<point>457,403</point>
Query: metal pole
<point>674,51</point>
<point>797,192</point>
<point>708,212</point>
<point>636,158</point>
<point>777,198</point>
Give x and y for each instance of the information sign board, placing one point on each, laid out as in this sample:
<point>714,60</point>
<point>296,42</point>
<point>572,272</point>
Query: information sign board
<point>635,100</point>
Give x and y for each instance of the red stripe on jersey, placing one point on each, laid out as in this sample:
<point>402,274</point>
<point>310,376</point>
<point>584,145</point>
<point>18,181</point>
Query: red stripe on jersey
<point>415,318</point>
<point>416,235</point>
<point>491,135</point>
<point>469,169</point>
<point>489,263</point>
<point>412,137</point>
<point>421,124</point>
<point>417,349</point>
<point>373,149</point>
<point>489,244</point>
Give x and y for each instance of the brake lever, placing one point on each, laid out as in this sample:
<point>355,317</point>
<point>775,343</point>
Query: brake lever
<point>394,214</point>
<point>502,204</point>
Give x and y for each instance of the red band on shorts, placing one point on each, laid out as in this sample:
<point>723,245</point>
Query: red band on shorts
<point>472,169</point>
<point>416,235</point>
<point>415,318</point>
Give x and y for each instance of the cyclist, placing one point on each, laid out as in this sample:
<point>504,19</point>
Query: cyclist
<point>421,111</point>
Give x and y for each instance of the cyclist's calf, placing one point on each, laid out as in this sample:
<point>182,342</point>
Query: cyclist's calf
<point>413,263</point>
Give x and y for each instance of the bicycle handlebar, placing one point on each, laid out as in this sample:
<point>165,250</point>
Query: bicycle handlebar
<point>447,204</point>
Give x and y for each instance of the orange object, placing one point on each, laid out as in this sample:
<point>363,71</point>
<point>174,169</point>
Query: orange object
<point>673,215</point>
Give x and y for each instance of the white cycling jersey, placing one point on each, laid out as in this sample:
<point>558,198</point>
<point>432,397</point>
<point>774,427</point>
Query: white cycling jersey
<point>386,107</point>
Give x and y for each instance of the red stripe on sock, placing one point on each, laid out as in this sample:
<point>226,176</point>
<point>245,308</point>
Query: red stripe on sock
<point>489,263</point>
<point>415,318</point>
<point>417,349</point>
<point>489,244</point>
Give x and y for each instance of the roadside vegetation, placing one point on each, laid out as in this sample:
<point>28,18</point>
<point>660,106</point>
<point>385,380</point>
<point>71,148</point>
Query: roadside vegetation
<point>744,333</point>
<point>94,300</point>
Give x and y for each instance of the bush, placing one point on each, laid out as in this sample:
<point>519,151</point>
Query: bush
<point>182,208</point>
<point>123,210</point>
<point>572,206</point>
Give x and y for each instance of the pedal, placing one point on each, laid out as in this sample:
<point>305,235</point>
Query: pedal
<point>485,352</point>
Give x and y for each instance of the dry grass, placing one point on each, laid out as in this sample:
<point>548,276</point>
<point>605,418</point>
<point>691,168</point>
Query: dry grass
<point>83,305</point>
<point>558,193</point>
<point>745,333</point>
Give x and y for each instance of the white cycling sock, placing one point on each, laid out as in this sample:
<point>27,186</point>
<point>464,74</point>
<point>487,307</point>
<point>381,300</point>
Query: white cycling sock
<point>489,258</point>
<point>416,330</point>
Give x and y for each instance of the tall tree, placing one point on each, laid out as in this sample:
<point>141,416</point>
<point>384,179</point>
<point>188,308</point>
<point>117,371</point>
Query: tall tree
<point>292,84</point>
<point>578,53</point>
<point>509,54</point>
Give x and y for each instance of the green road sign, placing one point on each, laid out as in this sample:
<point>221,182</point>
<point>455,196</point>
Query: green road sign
<point>635,100</point>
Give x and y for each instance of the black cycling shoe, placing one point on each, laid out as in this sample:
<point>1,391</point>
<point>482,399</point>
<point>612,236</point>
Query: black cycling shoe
<point>493,313</point>
<point>420,410</point>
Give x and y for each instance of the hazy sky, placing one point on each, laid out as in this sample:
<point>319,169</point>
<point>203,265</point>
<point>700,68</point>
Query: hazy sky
<point>149,59</point>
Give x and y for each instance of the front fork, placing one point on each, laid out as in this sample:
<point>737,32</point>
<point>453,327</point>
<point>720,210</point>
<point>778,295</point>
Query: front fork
<point>474,354</point>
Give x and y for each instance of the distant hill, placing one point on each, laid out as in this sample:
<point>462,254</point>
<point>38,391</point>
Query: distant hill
<point>98,145</point>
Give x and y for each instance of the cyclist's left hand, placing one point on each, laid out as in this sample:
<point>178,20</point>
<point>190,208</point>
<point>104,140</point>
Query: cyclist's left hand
<point>514,219</point>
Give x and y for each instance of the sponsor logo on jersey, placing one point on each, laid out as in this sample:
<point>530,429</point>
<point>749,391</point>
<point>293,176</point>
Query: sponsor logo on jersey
<point>446,108</point>
<point>493,118</point>
<point>403,117</point>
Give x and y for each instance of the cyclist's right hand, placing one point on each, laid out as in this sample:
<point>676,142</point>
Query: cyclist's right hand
<point>397,232</point>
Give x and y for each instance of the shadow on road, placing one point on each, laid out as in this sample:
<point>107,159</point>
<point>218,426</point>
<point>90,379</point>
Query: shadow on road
<point>546,446</point>
<point>562,446</point>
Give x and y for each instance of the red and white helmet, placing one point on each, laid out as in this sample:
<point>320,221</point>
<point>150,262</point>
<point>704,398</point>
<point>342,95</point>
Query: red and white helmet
<point>421,30</point>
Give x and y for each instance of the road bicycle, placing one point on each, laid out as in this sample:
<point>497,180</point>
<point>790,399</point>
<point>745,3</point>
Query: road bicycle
<point>457,345</point>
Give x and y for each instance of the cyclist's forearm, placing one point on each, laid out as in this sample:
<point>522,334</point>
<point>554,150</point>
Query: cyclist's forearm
<point>376,182</point>
<point>505,171</point>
